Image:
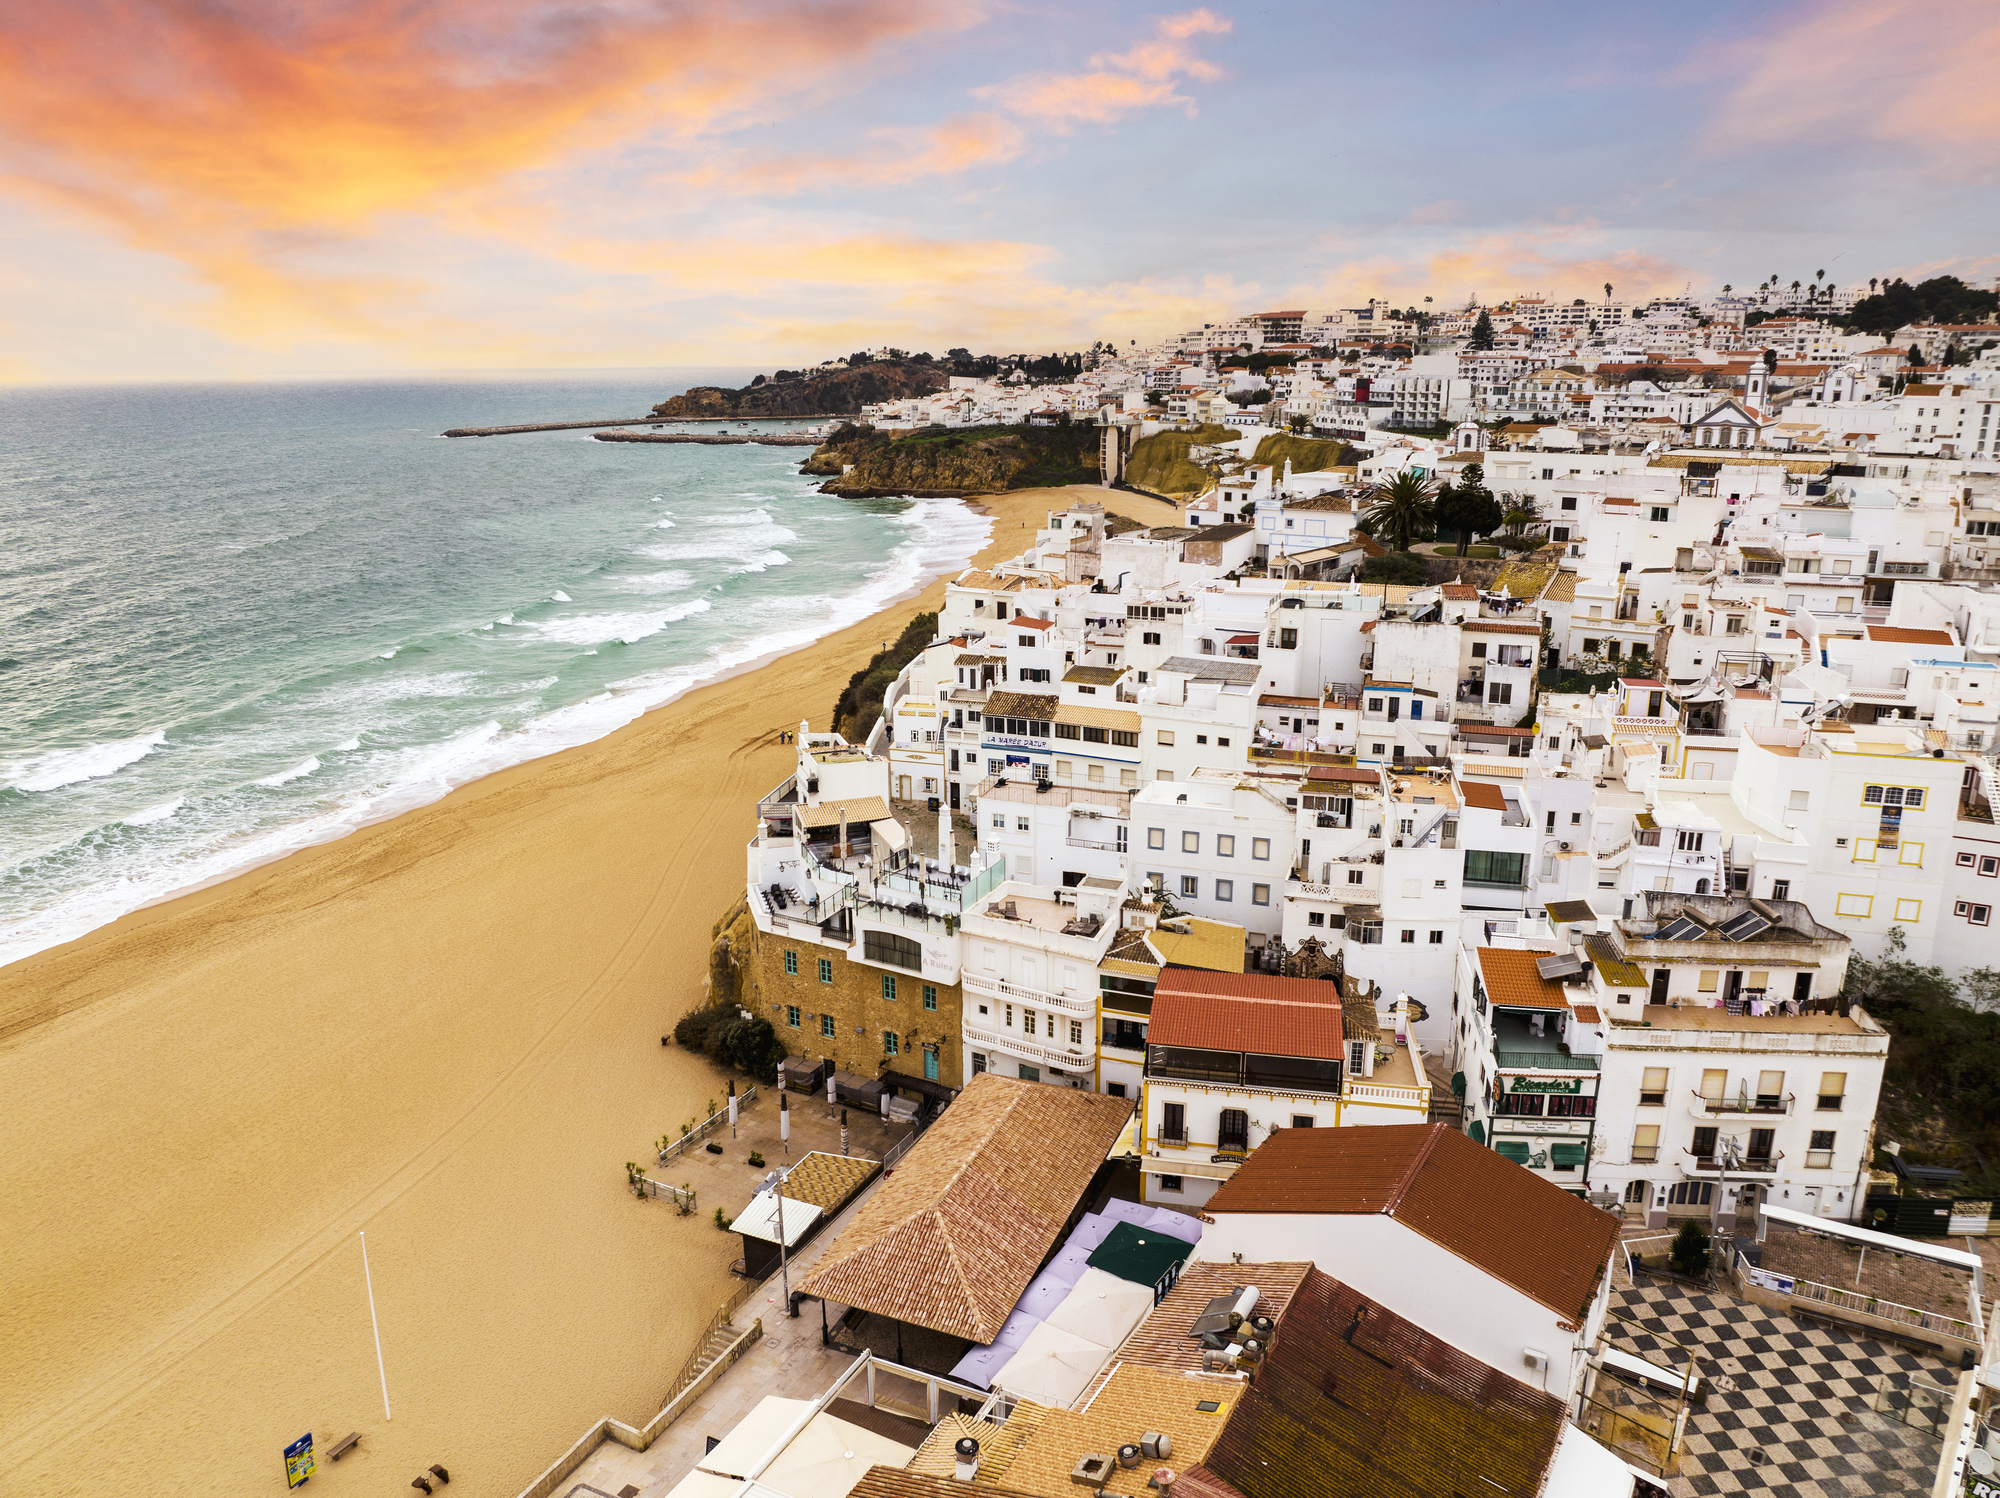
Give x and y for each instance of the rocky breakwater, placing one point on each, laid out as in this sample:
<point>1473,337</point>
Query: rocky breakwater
<point>713,439</point>
<point>949,462</point>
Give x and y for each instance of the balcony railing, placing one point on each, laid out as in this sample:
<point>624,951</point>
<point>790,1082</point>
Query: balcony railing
<point>1745,1104</point>
<point>1542,1061</point>
<point>1096,842</point>
<point>994,1037</point>
<point>1709,1165</point>
<point>1075,1006</point>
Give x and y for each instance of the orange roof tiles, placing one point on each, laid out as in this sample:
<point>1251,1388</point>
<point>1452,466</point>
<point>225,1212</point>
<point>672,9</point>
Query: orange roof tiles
<point>1891,635</point>
<point>1247,1012</point>
<point>1494,627</point>
<point>1513,982</point>
<point>1524,1231</point>
<point>1483,794</point>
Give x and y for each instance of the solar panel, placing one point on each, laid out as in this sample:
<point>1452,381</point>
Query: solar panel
<point>1681,928</point>
<point>1745,926</point>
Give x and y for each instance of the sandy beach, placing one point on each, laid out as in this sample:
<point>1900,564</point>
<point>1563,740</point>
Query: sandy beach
<point>443,1031</point>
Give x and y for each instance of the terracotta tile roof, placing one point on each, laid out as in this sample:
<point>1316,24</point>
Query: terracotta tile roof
<point>954,1235</point>
<point>1247,1012</point>
<point>1495,627</point>
<point>1215,945</point>
<point>1354,1399</point>
<point>1460,592</point>
<point>1026,623</point>
<point>1513,983</point>
<point>1589,1014</point>
<point>1272,699</point>
<point>1492,731</point>
<point>1641,681</point>
<point>1020,705</point>
<point>1894,636</point>
<point>1161,1341</point>
<point>891,1482</point>
<point>860,811</point>
<point>1524,1231</point>
<point>1483,794</point>
<point>1351,774</point>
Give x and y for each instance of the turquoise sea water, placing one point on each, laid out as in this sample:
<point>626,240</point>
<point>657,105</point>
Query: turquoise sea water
<point>237,620</point>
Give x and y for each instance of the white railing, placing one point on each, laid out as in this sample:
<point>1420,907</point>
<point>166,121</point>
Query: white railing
<point>1076,1006</point>
<point>1368,1092</point>
<point>1859,1302</point>
<point>994,1038</point>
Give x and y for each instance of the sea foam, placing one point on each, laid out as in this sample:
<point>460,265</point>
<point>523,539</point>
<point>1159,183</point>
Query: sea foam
<point>48,772</point>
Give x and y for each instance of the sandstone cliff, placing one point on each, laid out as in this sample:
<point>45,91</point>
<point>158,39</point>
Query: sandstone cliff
<point>843,392</point>
<point>975,460</point>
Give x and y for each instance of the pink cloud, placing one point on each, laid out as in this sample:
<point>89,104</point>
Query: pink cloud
<point>1147,76</point>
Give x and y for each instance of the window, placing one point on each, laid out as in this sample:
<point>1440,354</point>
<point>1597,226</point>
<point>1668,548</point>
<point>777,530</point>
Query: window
<point>1479,650</point>
<point>1437,938</point>
<point>1965,861</point>
<point>1233,1131</point>
<point>1128,738</point>
<point>1691,1193</point>
<point>1027,1022</point>
<point>1156,837</point>
<point>1979,915</point>
<point>1909,910</point>
<point>896,951</point>
<point>1712,1085</point>
<point>1190,842</point>
<point>1260,894</point>
<point>1221,743</point>
<point>1645,1144</point>
<point>825,973</point>
<point>1068,731</point>
<point>1225,889</point>
<point>1170,1183</point>
<point>1819,1150</point>
<point>792,963</point>
<point>1166,737</point>
<point>1688,842</point>
<point>1190,886</point>
<point>1150,637</point>
<point>889,988</point>
<point>891,1044</point>
<point>1501,870</point>
<point>1988,867</point>
<point>1500,692</point>
<point>1173,1123</point>
<point>1832,1089</point>
<point>1201,738</point>
<point>1781,889</point>
<point>930,996</point>
<point>1000,821</point>
<point>1260,848</point>
<point>1225,846</point>
<point>1653,1087</point>
<point>792,1015</point>
<point>1856,906</point>
<point>1409,937</point>
<point>1356,876</point>
<point>1659,514</point>
<point>826,1027</point>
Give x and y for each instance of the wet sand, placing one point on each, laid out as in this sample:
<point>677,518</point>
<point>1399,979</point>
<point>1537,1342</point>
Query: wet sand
<point>442,1031</point>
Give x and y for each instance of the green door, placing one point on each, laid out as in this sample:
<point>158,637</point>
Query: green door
<point>930,1063</point>
<point>1031,1073</point>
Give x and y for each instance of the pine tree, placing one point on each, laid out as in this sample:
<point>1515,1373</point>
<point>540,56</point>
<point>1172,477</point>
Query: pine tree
<point>1482,332</point>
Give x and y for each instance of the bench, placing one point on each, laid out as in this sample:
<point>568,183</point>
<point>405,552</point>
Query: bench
<point>344,1445</point>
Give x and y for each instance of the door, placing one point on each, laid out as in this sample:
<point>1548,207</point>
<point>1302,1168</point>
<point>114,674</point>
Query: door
<point>1732,987</point>
<point>1030,1073</point>
<point>1761,1141</point>
<point>1802,989</point>
<point>1395,708</point>
<point>902,787</point>
<point>930,1063</point>
<point>1659,993</point>
<point>1031,972</point>
<point>1811,1201</point>
<point>954,795</point>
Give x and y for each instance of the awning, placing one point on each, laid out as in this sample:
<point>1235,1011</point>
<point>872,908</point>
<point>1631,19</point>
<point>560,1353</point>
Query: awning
<point>1513,1149</point>
<point>922,1086</point>
<point>1458,1084</point>
<point>1477,1133</point>
<point>1570,1154</point>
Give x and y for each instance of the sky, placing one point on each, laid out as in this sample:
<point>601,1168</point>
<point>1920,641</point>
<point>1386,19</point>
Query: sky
<point>255,189</point>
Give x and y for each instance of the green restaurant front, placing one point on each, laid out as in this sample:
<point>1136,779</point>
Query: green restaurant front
<point>1546,1123</point>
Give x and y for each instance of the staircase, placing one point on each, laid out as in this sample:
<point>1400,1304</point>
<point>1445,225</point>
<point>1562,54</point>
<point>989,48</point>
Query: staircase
<point>716,1339</point>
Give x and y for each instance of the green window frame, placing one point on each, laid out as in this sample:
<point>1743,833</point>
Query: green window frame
<point>889,988</point>
<point>826,970</point>
<point>792,962</point>
<point>930,996</point>
<point>792,1015</point>
<point>826,1026</point>
<point>892,1045</point>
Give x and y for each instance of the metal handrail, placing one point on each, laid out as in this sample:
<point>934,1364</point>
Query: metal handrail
<point>708,1125</point>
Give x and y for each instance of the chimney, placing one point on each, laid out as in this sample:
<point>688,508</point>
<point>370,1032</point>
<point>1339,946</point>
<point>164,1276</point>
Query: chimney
<point>843,831</point>
<point>965,1454</point>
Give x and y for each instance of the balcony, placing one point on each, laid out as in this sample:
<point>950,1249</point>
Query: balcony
<point>1743,1104</point>
<point>1073,1006</point>
<point>984,1035</point>
<point>1710,1165</point>
<point>1098,843</point>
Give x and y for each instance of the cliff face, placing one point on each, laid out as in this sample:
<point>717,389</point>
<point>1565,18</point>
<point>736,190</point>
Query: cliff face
<point>979,460</point>
<point>843,392</point>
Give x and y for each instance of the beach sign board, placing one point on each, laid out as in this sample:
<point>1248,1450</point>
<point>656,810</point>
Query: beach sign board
<point>299,1461</point>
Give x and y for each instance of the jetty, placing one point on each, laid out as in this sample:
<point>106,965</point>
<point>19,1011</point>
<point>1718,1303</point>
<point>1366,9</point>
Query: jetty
<point>715,439</point>
<point>626,421</point>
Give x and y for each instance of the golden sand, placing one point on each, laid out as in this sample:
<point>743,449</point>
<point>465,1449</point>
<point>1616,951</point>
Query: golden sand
<point>442,1031</point>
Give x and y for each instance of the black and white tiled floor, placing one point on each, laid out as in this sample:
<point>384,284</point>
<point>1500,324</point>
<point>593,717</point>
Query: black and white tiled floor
<point>1793,1413</point>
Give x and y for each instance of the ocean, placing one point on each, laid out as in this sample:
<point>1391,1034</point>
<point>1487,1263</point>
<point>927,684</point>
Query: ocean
<point>238,620</point>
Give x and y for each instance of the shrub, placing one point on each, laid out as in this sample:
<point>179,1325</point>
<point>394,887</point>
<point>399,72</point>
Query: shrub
<point>1395,567</point>
<point>749,1045</point>
<point>1690,1250</point>
<point>692,1030</point>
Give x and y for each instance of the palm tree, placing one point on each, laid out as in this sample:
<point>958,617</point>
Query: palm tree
<point>1725,288</point>
<point>1607,291</point>
<point>1400,511</point>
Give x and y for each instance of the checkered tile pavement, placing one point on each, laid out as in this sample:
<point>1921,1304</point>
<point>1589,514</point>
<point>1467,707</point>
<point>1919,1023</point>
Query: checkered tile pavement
<point>1793,1412</point>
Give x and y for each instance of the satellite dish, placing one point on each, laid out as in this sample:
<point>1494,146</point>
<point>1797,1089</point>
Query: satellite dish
<point>1981,1462</point>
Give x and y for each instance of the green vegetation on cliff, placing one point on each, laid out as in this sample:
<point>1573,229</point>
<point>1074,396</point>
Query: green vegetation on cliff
<point>956,460</point>
<point>840,392</point>
<point>1307,455</point>
<point>861,703</point>
<point>1160,463</point>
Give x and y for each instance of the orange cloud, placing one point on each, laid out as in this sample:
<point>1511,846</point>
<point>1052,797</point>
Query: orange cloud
<point>1497,266</point>
<point>243,141</point>
<point>1900,71</point>
<point>956,144</point>
<point>1145,77</point>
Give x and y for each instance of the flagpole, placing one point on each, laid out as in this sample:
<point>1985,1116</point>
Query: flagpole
<point>377,1325</point>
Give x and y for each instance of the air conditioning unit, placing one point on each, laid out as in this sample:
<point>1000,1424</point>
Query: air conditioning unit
<point>1531,1358</point>
<point>1563,846</point>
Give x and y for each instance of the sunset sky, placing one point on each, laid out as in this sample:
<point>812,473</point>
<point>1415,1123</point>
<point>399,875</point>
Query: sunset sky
<point>271,188</point>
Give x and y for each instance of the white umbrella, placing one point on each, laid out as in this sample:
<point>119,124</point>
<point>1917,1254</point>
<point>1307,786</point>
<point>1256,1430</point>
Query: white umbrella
<point>1103,1308</point>
<point>1052,1367</point>
<point>831,1455</point>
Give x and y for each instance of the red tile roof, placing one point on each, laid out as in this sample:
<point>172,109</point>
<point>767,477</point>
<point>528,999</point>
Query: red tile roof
<point>1354,1399</point>
<point>1023,619</point>
<point>1247,1012</point>
<point>1640,681</point>
<point>1483,794</point>
<point>1894,636</point>
<point>1524,1231</point>
<point>1512,980</point>
<point>1492,627</point>
<point>1342,772</point>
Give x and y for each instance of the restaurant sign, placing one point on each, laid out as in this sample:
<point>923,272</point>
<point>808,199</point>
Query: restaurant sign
<point>1545,1084</point>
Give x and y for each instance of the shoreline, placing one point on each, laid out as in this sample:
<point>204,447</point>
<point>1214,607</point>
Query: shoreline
<point>441,1028</point>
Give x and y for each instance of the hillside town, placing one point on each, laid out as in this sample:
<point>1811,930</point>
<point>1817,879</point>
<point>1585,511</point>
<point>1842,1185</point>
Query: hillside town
<point>1362,997</point>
